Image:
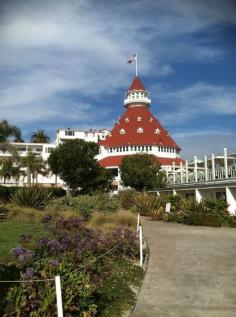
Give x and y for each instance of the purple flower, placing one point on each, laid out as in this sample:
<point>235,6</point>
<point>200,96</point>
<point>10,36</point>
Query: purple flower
<point>22,254</point>
<point>42,242</point>
<point>53,262</point>
<point>26,256</point>
<point>55,245</point>
<point>28,275</point>
<point>17,251</point>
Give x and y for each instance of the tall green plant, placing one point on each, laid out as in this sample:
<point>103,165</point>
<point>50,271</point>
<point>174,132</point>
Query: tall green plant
<point>33,196</point>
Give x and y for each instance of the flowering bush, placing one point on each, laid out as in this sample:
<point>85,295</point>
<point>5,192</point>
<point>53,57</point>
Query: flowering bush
<point>70,250</point>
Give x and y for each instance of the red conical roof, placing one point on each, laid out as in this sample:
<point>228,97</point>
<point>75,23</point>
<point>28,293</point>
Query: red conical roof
<point>136,84</point>
<point>138,126</point>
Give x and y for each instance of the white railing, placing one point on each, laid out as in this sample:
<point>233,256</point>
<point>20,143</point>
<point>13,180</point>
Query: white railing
<point>215,168</point>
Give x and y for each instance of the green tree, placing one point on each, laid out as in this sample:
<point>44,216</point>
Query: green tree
<point>74,162</point>
<point>142,172</point>
<point>34,165</point>
<point>40,136</point>
<point>8,131</point>
<point>9,169</point>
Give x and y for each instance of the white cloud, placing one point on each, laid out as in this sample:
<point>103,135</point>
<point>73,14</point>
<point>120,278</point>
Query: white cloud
<point>51,48</point>
<point>202,142</point>
<point>195,100</point>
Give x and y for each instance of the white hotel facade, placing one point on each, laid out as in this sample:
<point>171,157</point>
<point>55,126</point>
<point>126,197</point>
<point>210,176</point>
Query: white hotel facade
<point>138,131</point>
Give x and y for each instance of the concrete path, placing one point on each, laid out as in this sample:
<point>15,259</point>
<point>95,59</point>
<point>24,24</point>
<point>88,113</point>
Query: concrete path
<point>192,272</point>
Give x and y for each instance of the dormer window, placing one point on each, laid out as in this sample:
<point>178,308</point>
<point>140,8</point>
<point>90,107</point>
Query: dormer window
<point>140,130</point>
<point>139,118</point>
<point>122,131</point>
<point>150,119</point>
<point>157,131</point>
<point>126,119</point>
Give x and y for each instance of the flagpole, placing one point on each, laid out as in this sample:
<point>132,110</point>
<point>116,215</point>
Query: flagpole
<point>136,63</point>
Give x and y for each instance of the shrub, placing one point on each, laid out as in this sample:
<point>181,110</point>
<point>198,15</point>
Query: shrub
<point>85,205</point>
<point>127,199</point>
<point>57,192</point>
<point>71,248</point>
<point>7,192</point>
<point>3,209</point>
<point>33,196</point>
<point>146,204</point>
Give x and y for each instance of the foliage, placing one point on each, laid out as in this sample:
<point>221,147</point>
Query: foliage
<point>85,205</point>
<point>70,249</point>
<point>3,209</point>
<point>9,131</point>
<point>34,165</point>
<point>76,165</point>
<point>108,221</point>
<point>127,198</point>
<point>146,204</point>
<point>7,192</point>
<point>9,169</point>
<point>40,136</point>
<point>33,196</point>
<point>142,172</point>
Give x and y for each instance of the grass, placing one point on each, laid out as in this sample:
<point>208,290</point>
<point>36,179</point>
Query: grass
<point>10,232</point>
<point>108,221</point>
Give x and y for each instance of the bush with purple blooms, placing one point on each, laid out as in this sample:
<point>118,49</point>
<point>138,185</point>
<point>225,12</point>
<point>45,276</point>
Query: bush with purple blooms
<point>90,287</point>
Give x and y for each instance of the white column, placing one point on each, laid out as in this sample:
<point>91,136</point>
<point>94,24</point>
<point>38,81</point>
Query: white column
<point>198,195</point>
<point>205,168</point>
<point>195,168</point>
<point>58,296</point>
<point>186,170</point>
<point>173,166</point>
<point>167,174</point>
<point>174,192</point>
<point>213,166</point>
<point>181,172</point>
<point>226,163</point>
<point>231,199</point>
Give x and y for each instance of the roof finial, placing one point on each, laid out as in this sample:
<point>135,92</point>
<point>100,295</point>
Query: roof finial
<point>132,59</point>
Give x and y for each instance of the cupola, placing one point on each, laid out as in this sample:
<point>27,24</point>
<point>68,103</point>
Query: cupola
<point>137,95</point>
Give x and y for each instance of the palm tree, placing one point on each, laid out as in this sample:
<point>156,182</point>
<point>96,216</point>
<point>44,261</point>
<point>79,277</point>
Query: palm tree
<point>34,165</point>
<point>8,131</point>
<point>40,136</point>
<point>9,169</point>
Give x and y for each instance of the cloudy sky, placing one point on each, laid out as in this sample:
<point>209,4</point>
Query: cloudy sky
<point>63,64</point>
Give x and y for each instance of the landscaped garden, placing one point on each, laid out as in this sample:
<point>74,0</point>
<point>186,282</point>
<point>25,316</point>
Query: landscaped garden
<point>43,236</point>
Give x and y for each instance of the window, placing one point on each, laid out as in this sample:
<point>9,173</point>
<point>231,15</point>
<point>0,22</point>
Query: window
<point>127,148</point>
<point>123,148</point>
<point>140,130</point>
<point>150,119</point>
<point>48,149</point>
<point>139,148</point>
<point>120,149</point>
<point>157,131</point>
<point>122,131</point>
<point>135,148</point>
<point>126,119</point>
<point>110,150</point>
<point>150,148</point>
<point>117,149</point>
<point>69,132</point>
<point>142,148</point>
<point>139,118</point>
<point>146,148</point>
<point>131,148</point>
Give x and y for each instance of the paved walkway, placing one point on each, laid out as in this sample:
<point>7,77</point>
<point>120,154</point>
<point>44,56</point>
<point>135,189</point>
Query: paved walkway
<point>192,272</point>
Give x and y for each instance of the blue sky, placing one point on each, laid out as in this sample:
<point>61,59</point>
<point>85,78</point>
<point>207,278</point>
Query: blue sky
<point>63,64</point>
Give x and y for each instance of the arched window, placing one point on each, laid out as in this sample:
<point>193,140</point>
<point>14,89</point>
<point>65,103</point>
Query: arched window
<point>139,118</point>
<point>157,131</point>
<point>126,119</point>
<point>122,131</point>
<point>140,130</point>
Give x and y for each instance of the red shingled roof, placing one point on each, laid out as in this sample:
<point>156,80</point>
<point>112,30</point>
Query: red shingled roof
<point>136,85</point>
<point>117,160</point>
<point>153,132</point>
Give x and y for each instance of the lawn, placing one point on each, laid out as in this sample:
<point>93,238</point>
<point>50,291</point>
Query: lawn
<point>11,231</point>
